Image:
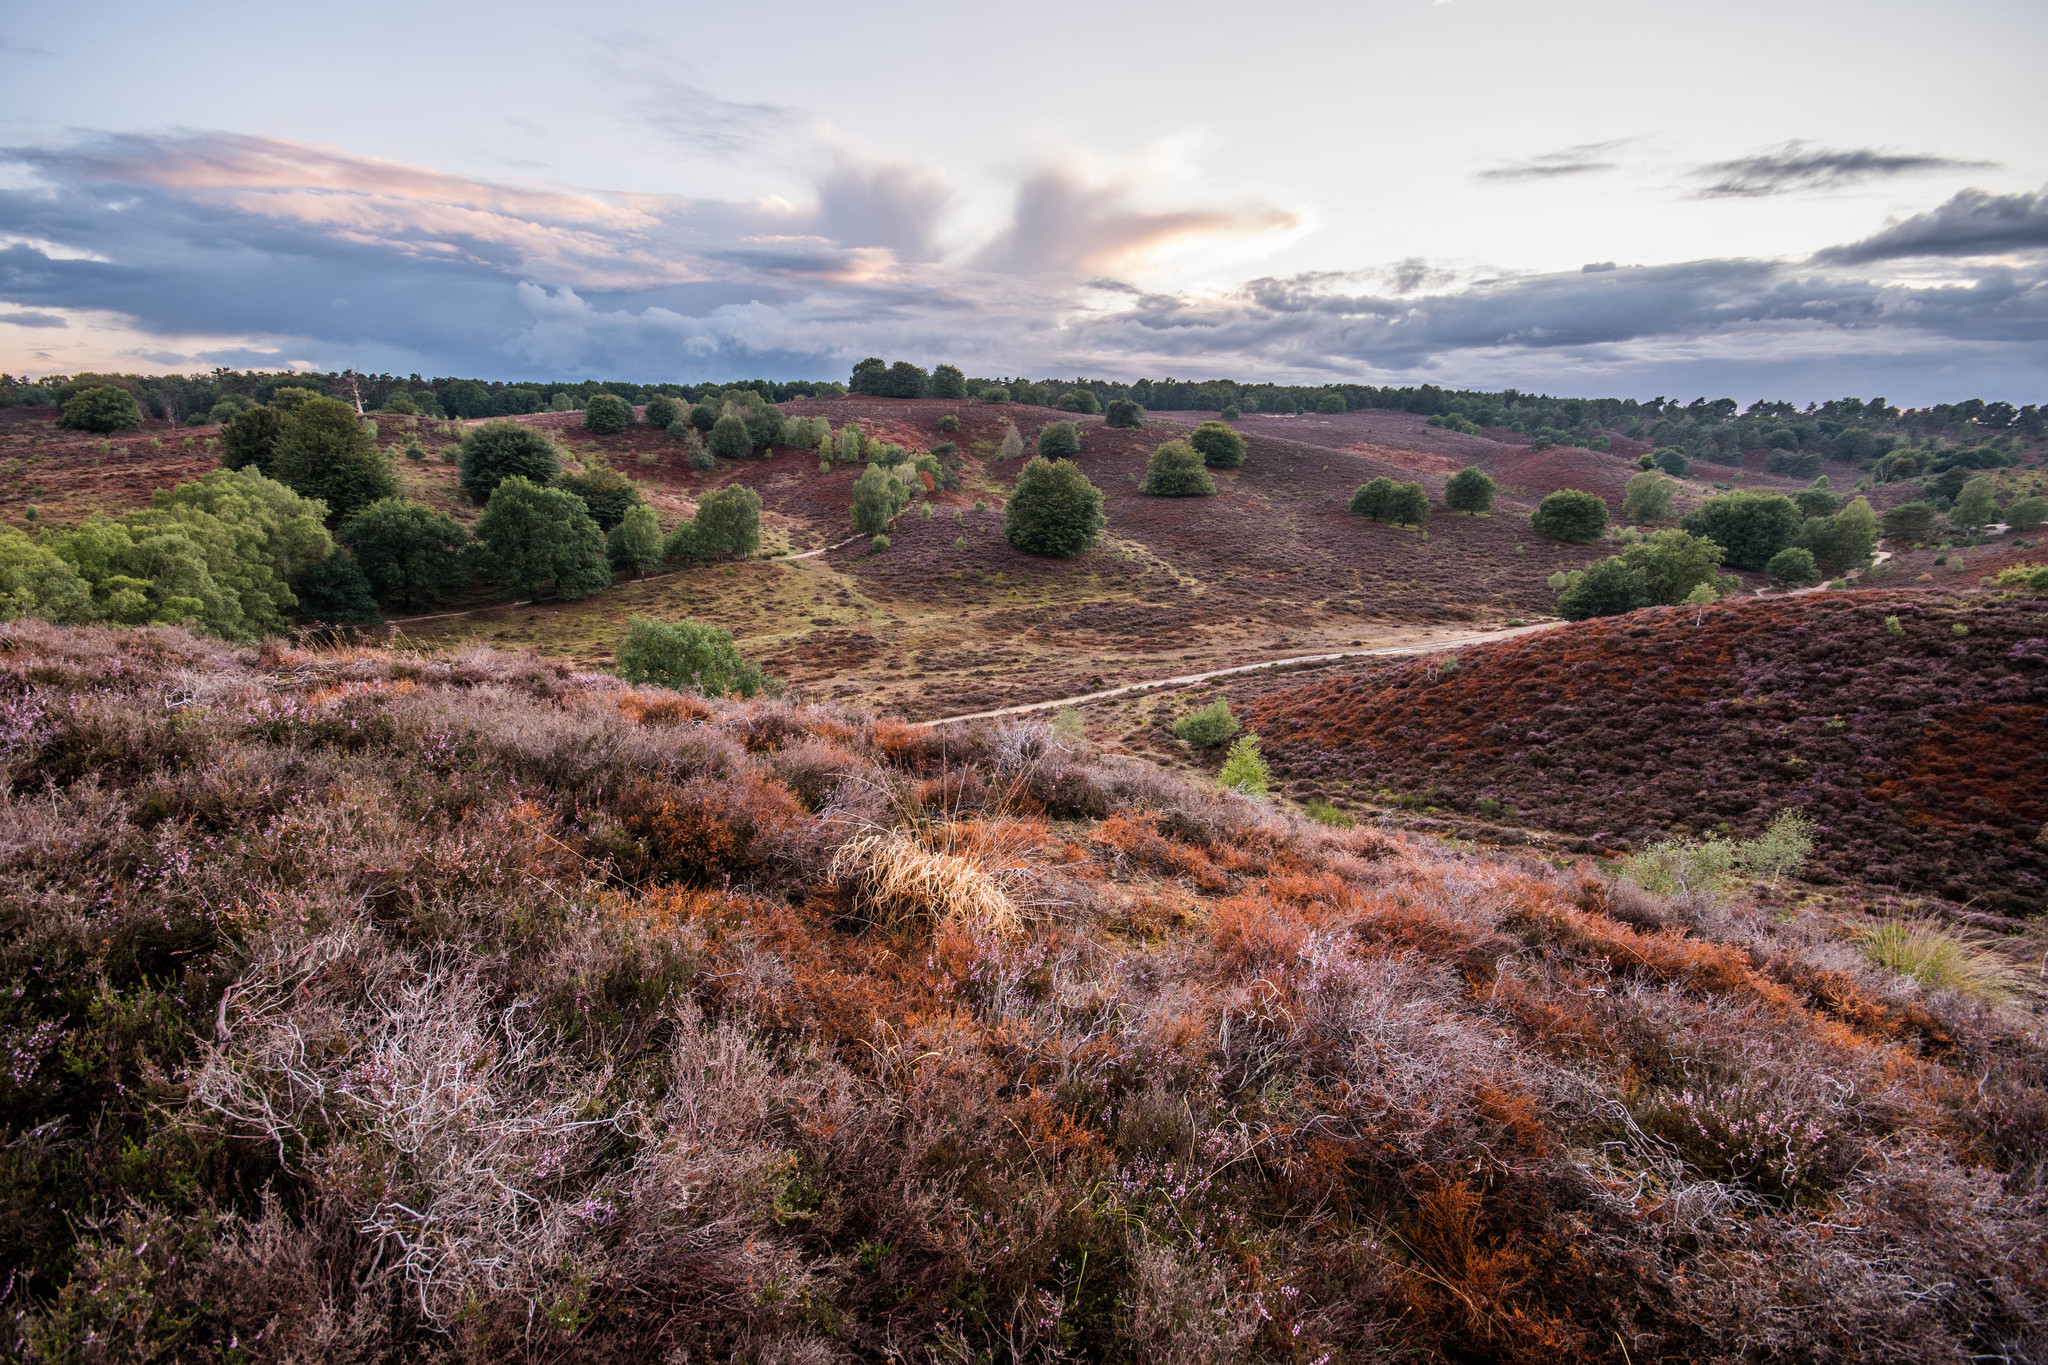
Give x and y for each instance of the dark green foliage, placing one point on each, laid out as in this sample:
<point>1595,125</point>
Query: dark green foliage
<point>728,524</point>
<point>605,492</point>
<point>878,496</point>
<point>1371,498</point>
<point>1231,412</point>
<point>227,409</point>
<point>1175,471</point>
<point>1648,497</point>
<point>1843,541</point>
<point>249,441</point>
<point>1079,400</point>
<point>1909,523</point>
<point>540,538</point>
<point>336,592</point>
<point>906,381</point>
<point>1673,461</point>
<point>1976,504</point>
<point>1283,405</point>
<point>870,377</point>
<point>1606,588</point>
<point>1331,402</point>
<point>948,382</point>
<point>1209,726</point>
<point>606,414</point>
<point>324,452</point>
<point>497,451</point>
<point>1570,515</point>
<point>1750,525</point>
<point>1817,501</point>
<point>635,543</point>
<point>101,408</point>
<point>1059,441</point>
<point>1469,491</point>
<point>2026,514</point>
<point>1793,567</point>
<point>1406,505</point>
<point>764,426</point>
<point>1673,563</point>
<point>1220,447</point>
<point>949,423</point>
<point>663,411</point>
<point>1800,464</point>
<point>704,417</point>
<point>995,394</point>
<point>408,551</point>
<point>688,656</point>
<point>729,437</point>
<point>1053,510</point>
<point>1122,412</point>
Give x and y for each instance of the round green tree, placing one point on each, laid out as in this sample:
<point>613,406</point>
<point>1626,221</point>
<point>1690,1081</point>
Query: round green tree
<point>335,592</point>
<point>1059,441</point>
<point>325,452</point>
<point>1220,447</point>
<point>1910,523</point>
<point>704,417</point>
<point>878,496</point>
<point>1607,588</point>
<point>663,410</point>
<point>101,408</point>
<point>2026,514</point>
<point>1469,491</point>
<point>1793,567</point>
<point>605,492</point>
<point>249,440</point>
<point>729,437</point>
<point>1122,412</point>
<point>1569,514</point>
<point>1407,505</point>
<point>407,551</point>
<point>1751,525</point>
<point>497,451</point>
<point>1672,461</point>
<point>1175,471</point>
<point>728,524</point>
<point>1648,497</point>
<point>607,414</point>
<point>1976,506</point>
<point>635,543</point>
<point>540,538</point>
<point>1053,510</point>
<point>687,656</point>
<point>1371,498</point>
<point>1331,402</point>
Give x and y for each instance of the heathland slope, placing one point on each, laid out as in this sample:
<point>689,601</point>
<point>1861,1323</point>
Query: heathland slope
<point>1912,725</point>
<point>382,1007</point>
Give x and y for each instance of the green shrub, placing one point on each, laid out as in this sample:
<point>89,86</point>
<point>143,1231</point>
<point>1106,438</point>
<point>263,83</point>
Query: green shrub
<point>1750,525</point>
<point>1976,505</point>
<point>1175,471</point>
<point>729,437</point>
<point>539,538</point>
<point>704,417</point>
<point>1844,540</point>
<point>1607,587</point>
<point>664,411</point>
<point>2026,514</point>
<point>1371,498</point>
<point>1672,461</point>
<point>605,492</point>
<point>606,414</point>
<point>336,592</point>
<point>878,496</point>
<point>727,524</point>
<point>1122,412</point>
<point>949,423</point>
<point>1648,497</point>
<point>408,551</point>
<point>879,544</point>
<point>1323,813</point>
<point>1570,515</point>
<point>688,656</point>
<point>1911,523</point>
<point>325,452</point>
<point>1939,958</point>
<point>1470,491</point>
<point>101,408</point>
<point>995,394</point>
<point>1793,567</point>
<point>1079,400</point>
<point>1053,510</point>
<point>635,543</point>
<point>1673,563</point>
<point>496,451</point>
<point>1231,412</point>
<point>948,382</point>
<point>1406,505</point>
<point>1220,447</point>
<point>1819,500</point>
<point>1208,726</point>
<point>1059,441</point>
<point>1244,769</point>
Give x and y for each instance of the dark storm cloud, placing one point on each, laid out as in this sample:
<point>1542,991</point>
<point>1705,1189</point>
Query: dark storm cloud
<point>1971,224</point>
<point>1802,166</point>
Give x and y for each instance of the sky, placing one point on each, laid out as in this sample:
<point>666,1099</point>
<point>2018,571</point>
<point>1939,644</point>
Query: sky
<point>1802,200</point>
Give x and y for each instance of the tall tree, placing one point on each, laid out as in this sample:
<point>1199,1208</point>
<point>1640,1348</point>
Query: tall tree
<point>497,451</point>
<point>539,538</point>
<point>325,452</point>
<point>408,551</point>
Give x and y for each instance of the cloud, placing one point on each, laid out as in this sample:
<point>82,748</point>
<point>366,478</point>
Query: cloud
<point>1800,166</point>
<point>33,320</point>
<point>1973,223</point>
<point>1062,223</point>
<point>1584,159</point>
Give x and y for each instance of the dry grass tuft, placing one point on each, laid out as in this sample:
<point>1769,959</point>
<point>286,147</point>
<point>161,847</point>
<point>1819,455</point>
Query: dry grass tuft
<point>1940,958</point>
<point>902,881</point>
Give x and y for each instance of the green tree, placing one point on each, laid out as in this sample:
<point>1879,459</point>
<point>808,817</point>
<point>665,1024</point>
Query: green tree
<point>1570,515</point>
<point>704,417</point>
<point>249,440</point>
<point>1648,497</point>
<point>606,414</point>
<point>1244,770</point>
<point>408,551</point>
<point>1844,540</point>
<point>537,538</point>
<point>849,443</point>
<point>1976,505</point>
<point>1220,447</point>
<point>1059,441</point>
<point>101,408</point>
<point>764,426</point>
<point>1750,525</point>
<point>497,451</point>
<point>1608,587</point>
<point>1407,505</point>
<point>288,398</point>
<point>1372,498</point>
<point>729,437</point>
<point>335,592</point>
<point>1079,400</point>
<point>662,410</point>
<point>688,656</point>
<point>1793,567</point>
<point>1672,563</point>
<point>635,543</point>
<point>728,524</point>
<point>324,452</point>
<point>2026,514</point>
<point>1910,523</point>
<point>1122,412</point>
<point>1207,726</point>
<point>36,581</point>
<point>870,377</point>
<point>1469,491</point>
<point>1672,460</point>
<point>1053,510</point>
<point>950,423</point>
<point>1817,500</point>
<point>1331,402</point>
<point>948,382</point>
<point>1175,471</point>
<point>906,380</point>
<point>877,498</point>
<point>1231,412</point>
<point>606,493</point>
<point>995,394</point>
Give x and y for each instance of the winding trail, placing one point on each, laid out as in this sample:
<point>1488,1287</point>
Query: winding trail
<point>1291,661</point>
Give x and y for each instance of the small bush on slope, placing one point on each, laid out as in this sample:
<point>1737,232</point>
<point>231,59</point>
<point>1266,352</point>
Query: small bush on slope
<point>1365,1099</point>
